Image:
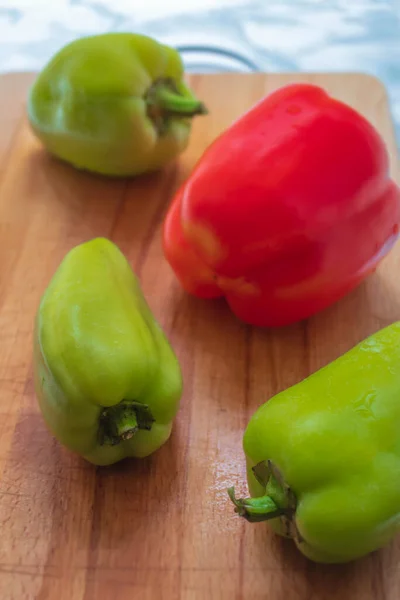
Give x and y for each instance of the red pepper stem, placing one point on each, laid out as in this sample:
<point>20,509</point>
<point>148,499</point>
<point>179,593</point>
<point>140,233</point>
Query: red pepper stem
<point>256,510</point>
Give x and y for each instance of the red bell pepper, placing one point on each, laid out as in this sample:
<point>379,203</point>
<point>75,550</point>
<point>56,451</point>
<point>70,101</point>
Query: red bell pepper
<point>287,211</point>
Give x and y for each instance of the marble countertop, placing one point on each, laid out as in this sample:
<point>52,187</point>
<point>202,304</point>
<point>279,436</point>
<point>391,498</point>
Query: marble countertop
<point>221,35</point>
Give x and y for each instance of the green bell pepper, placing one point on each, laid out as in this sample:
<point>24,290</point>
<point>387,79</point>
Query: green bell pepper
<point>323,456</point>
<point>114,104</point>
<point>107,381</point>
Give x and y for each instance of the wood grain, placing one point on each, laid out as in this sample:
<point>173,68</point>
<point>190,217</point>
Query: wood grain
<point>163,527</point>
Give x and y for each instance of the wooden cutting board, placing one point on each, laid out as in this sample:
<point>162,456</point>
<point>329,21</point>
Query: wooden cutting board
<point>163,527</point>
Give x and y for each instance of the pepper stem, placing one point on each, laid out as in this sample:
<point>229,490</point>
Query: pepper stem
<point>120,422</point>
<point>265,507</point>
<point>164,100</point>
<point>255,510</point>
<point>127,425</point>
<point>173,104</point>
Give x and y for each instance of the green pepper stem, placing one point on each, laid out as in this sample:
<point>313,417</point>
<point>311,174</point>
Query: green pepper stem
<point>173,104</point>
<point>164,100</point>
<point>256,510</point>
<point>264,508</point>
<point>120,422</point>
<point>126,425</point>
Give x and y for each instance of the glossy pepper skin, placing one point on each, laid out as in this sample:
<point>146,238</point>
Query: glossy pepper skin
<point>287,211</point>
<point>107,381</point>
<point>114,104</point>
<point>323,456</point>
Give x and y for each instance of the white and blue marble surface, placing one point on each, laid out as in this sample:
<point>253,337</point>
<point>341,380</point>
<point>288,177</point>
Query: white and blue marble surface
<point>216,35</point>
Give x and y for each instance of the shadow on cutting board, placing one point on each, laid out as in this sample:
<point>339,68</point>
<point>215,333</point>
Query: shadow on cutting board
<point>306,580</point>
